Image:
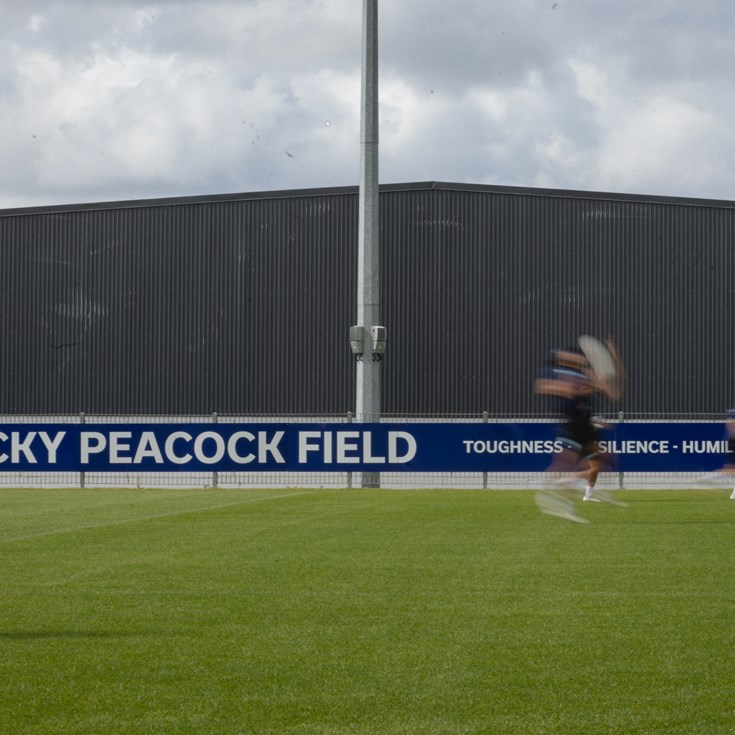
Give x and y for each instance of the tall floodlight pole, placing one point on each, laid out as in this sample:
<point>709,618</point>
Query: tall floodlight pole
<point>368,277</point>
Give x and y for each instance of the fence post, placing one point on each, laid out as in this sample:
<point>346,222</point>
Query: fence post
<point>82,473</point>
<point>621,418</point>
<point>484,474</point>
<point>215,474</point>
<point>349,474</point>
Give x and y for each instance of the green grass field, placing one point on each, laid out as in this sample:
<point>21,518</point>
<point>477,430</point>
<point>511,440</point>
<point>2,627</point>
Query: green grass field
<point>364,611</point>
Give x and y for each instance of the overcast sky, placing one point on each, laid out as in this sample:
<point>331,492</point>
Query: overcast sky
<point>103,100</point>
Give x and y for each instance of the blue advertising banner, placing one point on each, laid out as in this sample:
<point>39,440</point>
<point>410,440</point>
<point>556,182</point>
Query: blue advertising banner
<point>414,447</point>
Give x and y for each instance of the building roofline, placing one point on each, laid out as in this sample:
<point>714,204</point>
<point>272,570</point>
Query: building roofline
<point>351,190</point>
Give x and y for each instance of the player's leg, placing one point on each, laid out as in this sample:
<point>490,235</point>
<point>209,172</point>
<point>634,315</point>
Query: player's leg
<point>592,493</point>
<point>594,465</point>
<point>557,498</point>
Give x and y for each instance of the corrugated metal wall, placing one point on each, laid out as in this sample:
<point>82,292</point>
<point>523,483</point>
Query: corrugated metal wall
<point>226,306</point>
<point>241,305</point>
<point>492,280</point>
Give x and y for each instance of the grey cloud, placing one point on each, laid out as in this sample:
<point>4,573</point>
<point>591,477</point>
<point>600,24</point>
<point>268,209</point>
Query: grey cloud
<point>120,100</point>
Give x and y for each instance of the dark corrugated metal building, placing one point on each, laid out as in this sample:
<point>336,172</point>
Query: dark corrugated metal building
<point>242,304</point>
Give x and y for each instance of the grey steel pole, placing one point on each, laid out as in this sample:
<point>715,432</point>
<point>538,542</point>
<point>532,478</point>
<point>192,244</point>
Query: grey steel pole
<point>368,280</point>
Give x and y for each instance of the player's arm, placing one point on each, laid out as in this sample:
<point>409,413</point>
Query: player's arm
<point>552,387</point>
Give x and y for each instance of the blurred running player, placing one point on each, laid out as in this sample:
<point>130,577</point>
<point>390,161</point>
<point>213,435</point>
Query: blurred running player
<point>571,384</point>
<point>728,469</point>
